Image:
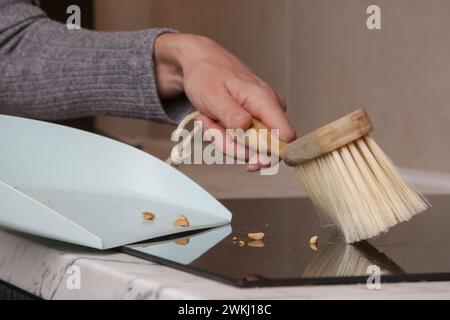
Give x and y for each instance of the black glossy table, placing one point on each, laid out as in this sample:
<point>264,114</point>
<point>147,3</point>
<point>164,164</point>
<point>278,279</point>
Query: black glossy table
<point>412,251</point>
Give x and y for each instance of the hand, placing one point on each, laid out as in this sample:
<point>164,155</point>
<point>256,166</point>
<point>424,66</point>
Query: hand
<point>218,85</point>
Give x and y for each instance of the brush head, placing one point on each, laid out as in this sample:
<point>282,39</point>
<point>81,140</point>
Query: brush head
<point>349,178</point>
<point>358,189</point>
<point>335,258</point>
<point>327,138</point>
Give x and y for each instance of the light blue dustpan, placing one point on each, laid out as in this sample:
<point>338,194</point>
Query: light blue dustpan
<point>172,250</point>
<point>70,185</point>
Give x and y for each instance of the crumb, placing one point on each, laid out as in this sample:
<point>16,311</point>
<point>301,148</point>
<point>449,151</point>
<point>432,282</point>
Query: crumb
<point>182,242</point>
<point>241,243</point>
<point>256,236</point>
<point>148,215</point>
<point>234,238</point>
<point>181,221</point>
<point>256,244</point>
<point>253,277</point>
<point>313,243</point>
<point>313,240</point>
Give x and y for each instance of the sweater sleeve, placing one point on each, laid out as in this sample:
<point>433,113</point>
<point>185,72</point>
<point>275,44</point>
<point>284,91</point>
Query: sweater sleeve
<point>50,72</point>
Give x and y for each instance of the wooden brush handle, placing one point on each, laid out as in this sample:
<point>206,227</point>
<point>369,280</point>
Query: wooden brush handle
<point>323,140</point>
<point>258,125</point>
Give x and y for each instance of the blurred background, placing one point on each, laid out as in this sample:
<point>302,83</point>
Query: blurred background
<point>321,55</point>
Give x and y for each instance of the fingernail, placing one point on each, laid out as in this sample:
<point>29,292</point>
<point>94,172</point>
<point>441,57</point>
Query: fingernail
<point>252,168</point>
<point>264,160</point>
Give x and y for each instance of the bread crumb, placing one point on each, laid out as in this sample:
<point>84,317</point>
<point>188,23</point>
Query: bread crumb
<point>148,215</point>
<point>313,240</point>
<point>256,235</point>
<point>256,244</point>
<point>313,243</point>
<point>182,242</point>
<point>241,243</point>
<point>181,221</point>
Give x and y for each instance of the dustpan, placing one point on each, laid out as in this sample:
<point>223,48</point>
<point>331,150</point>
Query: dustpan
<point>184,250</point>
<point>78,187</point>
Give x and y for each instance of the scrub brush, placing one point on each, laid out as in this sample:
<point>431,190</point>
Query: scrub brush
<point>351,181</point>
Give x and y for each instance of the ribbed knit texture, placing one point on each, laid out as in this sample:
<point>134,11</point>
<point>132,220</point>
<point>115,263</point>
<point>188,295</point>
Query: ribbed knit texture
<point>50,72</point>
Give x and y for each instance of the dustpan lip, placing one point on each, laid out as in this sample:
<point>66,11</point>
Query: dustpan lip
<point>95,241</point>
<point>170,233</point>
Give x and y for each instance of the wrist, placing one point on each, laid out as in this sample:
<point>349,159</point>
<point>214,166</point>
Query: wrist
<point>168,70</point>
<point>183,50</point>
<point>175,55</point>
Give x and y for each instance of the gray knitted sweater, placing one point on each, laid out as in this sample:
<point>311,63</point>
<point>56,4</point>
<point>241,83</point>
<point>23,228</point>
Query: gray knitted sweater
<point>50,72</point>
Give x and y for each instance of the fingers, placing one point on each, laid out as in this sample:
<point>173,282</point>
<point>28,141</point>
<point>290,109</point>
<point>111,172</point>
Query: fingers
<point>258,161</point>
<point>281,100</point>
<point>266,106</point>
<point>226,145</point>
<point>253,168</point>
<point>229,111</point>
<point>259,101</point>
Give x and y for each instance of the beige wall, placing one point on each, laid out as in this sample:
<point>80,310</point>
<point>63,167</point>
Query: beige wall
<point>321,55</point>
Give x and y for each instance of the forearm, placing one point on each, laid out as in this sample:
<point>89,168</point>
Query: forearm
<point>48,71</point>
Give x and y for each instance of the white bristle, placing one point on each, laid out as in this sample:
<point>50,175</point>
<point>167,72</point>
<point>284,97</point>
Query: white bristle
<point>359,189</point>
<point>337,259</point>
